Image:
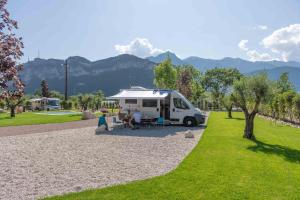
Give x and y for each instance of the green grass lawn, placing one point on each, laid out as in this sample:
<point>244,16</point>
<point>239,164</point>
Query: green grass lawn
<point>224,166</point>
<point>29,118</point>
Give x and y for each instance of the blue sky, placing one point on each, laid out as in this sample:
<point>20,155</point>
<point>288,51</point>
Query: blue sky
<point>98,29</point>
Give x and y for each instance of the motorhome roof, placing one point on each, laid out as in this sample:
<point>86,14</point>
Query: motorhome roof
<point>141,93</point>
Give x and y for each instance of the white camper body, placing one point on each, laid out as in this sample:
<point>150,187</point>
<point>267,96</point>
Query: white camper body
<point>155,103</point>
<point>45,103</point>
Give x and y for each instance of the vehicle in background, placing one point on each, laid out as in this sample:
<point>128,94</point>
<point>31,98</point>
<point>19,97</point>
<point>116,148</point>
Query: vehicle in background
<point>155,103</point>
<point>45,103</point>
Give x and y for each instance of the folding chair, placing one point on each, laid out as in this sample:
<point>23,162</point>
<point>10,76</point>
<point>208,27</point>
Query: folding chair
<point>160,121</point>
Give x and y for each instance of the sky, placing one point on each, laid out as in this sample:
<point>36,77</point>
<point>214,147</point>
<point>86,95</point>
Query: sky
<point>96,29</point>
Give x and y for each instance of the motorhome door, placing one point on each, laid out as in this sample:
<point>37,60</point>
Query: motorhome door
<point>165,107</point>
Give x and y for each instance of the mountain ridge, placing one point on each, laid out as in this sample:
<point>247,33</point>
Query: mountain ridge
<point>122,71</point>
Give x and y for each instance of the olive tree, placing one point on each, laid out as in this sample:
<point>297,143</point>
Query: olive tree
<point>288,100</point>
<point>296,102</point>
<point>228,102</point>
<point>249,93</point>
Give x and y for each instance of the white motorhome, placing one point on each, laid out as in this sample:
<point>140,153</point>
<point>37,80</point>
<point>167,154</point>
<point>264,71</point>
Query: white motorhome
<point>45,103</point>
<point>169,104</point>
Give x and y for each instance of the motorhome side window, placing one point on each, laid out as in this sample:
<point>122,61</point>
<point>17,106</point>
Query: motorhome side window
<point>150,103</point>
<point>179,103</point>
<point>130,101</point>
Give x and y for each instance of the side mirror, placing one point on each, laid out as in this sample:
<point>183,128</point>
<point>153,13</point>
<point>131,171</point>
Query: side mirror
<point>173,109</point>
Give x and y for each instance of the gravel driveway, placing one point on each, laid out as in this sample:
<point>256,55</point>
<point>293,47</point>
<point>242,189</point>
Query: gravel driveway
<point>57,162</point>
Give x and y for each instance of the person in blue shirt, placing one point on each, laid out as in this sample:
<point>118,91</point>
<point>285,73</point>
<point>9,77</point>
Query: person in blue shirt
<point>102,122</point>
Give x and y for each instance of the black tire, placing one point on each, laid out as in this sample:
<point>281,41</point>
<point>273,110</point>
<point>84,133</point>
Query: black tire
<point>189,122</point>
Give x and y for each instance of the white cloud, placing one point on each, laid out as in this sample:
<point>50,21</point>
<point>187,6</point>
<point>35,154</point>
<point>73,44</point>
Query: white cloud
<point>256,56</point>
<point>285,41</point>
<point>242,45</point>
<point>253,54</point>
<point>140,47</point>
<point>261,27</point>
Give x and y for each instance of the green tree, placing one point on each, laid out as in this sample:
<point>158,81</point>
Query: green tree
<point>189,82</point>
<point>12,103</point>
<point>249,92</point>
<point>165,75</point>
<point>275,104</point>
<point>282,106</point>
<point>45,89</point>
<point>228,102</point>
<point>218,81</point>
<point>284,84</point>
<point>38,93</point>
<point>97,99</point>
<point>289,101</point>
<point>2,104</point>
<point>296,103</point>
<point>56,94</point>
<point>84,100</point>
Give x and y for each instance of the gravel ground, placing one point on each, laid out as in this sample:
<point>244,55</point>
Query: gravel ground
<point>57,162</point>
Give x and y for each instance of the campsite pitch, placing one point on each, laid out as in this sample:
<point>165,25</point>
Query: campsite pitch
<point>52,163</point>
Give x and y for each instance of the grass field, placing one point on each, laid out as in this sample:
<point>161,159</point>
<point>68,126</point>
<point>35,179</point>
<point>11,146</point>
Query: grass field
<point>29,118</point>
<point>224,166</point>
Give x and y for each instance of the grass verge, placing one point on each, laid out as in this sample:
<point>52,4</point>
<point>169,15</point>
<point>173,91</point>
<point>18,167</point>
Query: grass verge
<point>30,118</point>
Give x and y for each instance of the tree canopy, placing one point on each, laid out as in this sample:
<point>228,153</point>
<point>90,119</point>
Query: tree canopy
<point>11,86</point>
<point>165,75</point>
<point>218,81</point>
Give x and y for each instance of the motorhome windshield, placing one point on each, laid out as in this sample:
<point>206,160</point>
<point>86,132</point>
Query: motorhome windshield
<point>53,102</point>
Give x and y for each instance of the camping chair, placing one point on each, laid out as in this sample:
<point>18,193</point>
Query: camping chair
<point>116,123</point>
<point>160,121</point>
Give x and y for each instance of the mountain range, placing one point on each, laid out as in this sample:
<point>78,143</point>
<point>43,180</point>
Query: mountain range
<point>122,71</point>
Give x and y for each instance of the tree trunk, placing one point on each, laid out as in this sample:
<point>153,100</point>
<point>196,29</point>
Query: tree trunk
<point>12,111</point>
<point>229,113</point>
<point>249,120</point>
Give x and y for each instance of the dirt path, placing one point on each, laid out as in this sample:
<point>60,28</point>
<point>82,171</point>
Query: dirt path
<point>40,128</point>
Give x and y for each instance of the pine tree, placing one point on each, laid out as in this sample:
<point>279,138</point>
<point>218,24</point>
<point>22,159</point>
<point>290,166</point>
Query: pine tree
<point>45,89</point>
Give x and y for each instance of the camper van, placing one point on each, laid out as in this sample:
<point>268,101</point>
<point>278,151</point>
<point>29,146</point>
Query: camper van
<point>45,104</point>
<point>155,103</point>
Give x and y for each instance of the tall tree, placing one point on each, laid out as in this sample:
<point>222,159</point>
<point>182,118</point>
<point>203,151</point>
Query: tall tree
<point>165,75</point>
<point>289,102</point>
<point>45,89</point>
<point>249,92</point>
<point>296,103</point>
<point>11,86</point>
<point>284,84</point>
<point>228,102</point>
<point>97,99</point>
<point>218,81</point>
<point>187,77</point>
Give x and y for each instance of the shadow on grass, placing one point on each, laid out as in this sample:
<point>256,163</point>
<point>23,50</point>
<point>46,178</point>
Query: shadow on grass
<point>8,117</point>
<point>289,154</point>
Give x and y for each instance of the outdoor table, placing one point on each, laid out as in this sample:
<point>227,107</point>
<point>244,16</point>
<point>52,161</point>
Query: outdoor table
<point>148,122</point>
